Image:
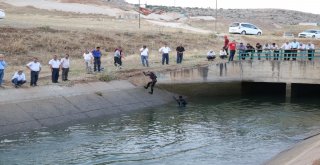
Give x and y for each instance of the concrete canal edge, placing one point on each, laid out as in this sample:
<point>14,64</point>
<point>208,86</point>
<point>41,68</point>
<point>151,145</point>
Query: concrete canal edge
<point>305,152</point>
<point>28,109</point>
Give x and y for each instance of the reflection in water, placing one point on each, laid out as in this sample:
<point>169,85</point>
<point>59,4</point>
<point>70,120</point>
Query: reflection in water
<point>208,131</point>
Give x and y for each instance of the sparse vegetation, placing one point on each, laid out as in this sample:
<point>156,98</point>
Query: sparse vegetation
<point>52,32</point>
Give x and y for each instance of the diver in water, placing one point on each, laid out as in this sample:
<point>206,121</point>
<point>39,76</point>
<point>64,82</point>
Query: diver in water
<point>153,81</point>
<point>181,101</point>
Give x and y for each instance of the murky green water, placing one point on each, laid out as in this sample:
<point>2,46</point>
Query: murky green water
<point>225,131</point>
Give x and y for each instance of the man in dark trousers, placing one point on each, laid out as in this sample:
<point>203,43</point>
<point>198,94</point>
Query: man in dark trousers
<point>153,81</point>
<point>226,44</point>
<point>97,59</point>
<point>180,49</point>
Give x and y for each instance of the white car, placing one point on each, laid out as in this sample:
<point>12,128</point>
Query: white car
<point>244,28</point>
<point>2,14</point>
<point>310,34</point>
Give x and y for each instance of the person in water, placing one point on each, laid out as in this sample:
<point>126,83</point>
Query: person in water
<point>153,81</point>
<point>181,101</point>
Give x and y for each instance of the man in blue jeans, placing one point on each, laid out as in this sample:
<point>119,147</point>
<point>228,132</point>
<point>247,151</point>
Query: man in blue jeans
<point>180,49</point>
<point>18,79</point>
<point>2,67</point>
<point>97,59</point>
<point>144,53</point>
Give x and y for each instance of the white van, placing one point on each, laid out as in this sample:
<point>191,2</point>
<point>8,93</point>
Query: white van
<point>244,28</point>
<point>2,14</point>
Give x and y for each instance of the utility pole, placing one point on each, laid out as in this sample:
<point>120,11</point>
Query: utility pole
<point>139,14</point>
<point>215,24</point>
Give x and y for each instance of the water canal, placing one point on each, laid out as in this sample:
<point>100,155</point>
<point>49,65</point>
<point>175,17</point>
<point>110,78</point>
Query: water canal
<point>220,131</point>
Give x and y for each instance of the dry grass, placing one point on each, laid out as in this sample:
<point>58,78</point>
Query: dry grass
<point>43,33</point>
<point>83,1</point>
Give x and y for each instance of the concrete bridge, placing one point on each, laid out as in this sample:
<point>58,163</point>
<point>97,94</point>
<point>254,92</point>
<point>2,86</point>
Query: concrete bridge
<point>288,77</point>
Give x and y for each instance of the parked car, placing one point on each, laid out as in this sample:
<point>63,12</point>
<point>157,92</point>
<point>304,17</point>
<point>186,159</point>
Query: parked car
<point>310,34</point>
<point>244,28</point>
<point>2,14</point>
<point>288,35</point>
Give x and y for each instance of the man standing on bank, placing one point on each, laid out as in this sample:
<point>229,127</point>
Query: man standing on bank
<point>165,53</point>
<point>153,81</point>
<point>180,49</point>
<point>97,59</point>
<point>35,68</point>
<point>3,65</point>
<point>232,48</point>
<point>144,54</point>
<point>55,68</point>
<point>65,65</point>
<point>226,44</point>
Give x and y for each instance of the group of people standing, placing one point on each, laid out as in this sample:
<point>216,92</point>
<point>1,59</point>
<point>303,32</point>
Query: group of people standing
<point>34,66</point>
<point>288,51</point>
<point>165,50</point>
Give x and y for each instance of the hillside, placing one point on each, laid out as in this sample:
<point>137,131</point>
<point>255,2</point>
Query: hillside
<point>43,28</point>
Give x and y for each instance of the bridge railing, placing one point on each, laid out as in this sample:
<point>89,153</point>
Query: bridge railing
<point>279,54</point>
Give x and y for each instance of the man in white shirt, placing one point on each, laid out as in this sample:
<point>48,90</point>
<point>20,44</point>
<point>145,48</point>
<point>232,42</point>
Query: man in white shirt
<point>294,49</point>
<point>55,65</point>
<point>211,55</point>
<point>35,68</point>
<point>18,79</point>
<point>144,52</point>
<point>88,59</point>
<point>65,65</point>
<point>287,50</point>
<point>267,51</point>
<point>302,51</point>
<point>310,49</point>
<point>165,53</point>
<point>223,53</point>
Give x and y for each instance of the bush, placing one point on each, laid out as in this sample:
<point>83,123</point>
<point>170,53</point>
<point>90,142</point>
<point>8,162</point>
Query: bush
<point>106,78</point>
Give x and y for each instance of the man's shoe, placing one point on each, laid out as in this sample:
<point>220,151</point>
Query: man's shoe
<point>145,87</point>
<point>151,92</point>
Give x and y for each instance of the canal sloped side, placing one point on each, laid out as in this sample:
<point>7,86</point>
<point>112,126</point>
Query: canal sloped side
<point>47,106</point>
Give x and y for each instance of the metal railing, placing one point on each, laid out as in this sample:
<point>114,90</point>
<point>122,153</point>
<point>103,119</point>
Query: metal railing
<point>278,54</point>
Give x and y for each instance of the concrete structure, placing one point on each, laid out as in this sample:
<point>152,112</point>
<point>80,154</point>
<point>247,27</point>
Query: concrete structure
<point>305,152</point>
<point>288,73</point>
<point>34,108</point>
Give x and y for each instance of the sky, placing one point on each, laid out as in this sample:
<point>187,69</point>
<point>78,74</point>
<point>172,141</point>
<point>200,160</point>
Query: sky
<point>310,6</point>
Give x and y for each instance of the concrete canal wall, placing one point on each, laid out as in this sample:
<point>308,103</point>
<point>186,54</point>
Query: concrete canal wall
<point>45,106</point>
<point>293,77</point>
<point>304,72</point>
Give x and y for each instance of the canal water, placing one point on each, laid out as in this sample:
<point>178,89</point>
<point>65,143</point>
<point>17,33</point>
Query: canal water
<point>209,131</point>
